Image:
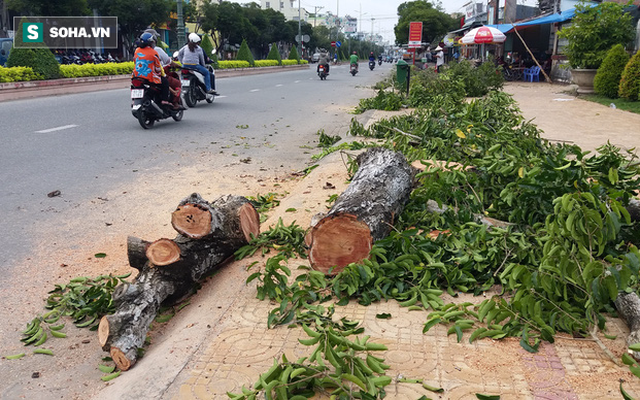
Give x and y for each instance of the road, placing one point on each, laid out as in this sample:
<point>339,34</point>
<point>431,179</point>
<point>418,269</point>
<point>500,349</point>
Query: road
<point>87,144</point>
<point>116,179</point>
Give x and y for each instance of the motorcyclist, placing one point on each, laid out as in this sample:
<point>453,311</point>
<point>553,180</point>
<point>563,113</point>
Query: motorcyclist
<point>353,59</point>
<point>372,57</point>
<point>191,56</point>
<point>147,66</point>
<point>167,62</point>
<point>324,60</point>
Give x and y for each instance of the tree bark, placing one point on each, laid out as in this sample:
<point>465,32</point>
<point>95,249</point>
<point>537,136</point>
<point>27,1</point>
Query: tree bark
<point>169,270</point>
<point>364,213</point>
<point>628,306</point>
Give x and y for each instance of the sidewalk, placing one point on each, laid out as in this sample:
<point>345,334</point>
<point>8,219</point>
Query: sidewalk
<point>53,87</point>
<point>221,342</point>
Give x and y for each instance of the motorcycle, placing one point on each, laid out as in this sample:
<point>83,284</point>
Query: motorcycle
<point>322,72</point>
<point>380,61</point>
<point>146,104</point>
<point>372,65</point>
<point>194,87</point>
<point>353,69</point>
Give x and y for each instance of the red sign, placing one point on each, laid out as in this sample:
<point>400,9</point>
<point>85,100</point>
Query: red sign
<point>415,34</point>
<point>333,44</point>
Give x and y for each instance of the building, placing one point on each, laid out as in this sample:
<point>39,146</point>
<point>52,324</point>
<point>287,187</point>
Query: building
<point>287,7</point>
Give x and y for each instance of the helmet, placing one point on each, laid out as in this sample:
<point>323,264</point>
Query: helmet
<point>146,39</point>
<point>155,34</point>
<point>193,37</point>
<point>355,52</point>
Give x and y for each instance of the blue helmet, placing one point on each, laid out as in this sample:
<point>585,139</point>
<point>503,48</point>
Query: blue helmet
<point>146,39</point>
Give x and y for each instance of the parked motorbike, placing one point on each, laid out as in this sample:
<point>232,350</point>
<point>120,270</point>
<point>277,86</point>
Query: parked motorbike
<point>372,65</point>
<point>353,69</point>
<point>193,85</point>
<point>146,104</point>
<point>322,72</point>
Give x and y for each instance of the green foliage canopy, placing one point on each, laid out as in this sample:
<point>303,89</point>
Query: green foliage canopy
<point>630,80</point>
<point>435,22</point>
<point>595,30</point>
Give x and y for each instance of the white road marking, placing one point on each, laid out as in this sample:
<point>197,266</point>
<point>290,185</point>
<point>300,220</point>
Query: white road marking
<point>59,128</point>
<point>279,85</point>
<point>296,81</point>
<point>254,90</point>
<point>221,96</point>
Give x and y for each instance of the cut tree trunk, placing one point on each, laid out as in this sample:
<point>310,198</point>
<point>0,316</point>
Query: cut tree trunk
<point>628,306</point>
<point>170,268</point>
<point>364,213</point>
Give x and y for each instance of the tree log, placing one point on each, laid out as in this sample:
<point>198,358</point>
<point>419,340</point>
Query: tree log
<point>364,213</point>
<point>169,270</point>
<point>628,306</point>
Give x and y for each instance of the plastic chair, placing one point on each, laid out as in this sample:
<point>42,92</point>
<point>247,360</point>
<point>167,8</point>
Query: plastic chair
<point>531,74</point>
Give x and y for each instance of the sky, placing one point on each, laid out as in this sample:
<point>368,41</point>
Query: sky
<point>383,12</point>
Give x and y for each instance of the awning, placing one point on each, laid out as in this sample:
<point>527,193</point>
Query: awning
<point>504,28</point>
<point>550,18</point>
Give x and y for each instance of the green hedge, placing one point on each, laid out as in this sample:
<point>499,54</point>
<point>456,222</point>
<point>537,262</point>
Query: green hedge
<point>41,60</point>
<point>16,74</point>
<point>233,64</point>
<point>607,80</point>
<point>630,80</point>
<point>266,63</point>
<point>294,62</point>
<point>76,71</point>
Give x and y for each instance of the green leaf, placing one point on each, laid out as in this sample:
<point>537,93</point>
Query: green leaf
<point>290,210</point>
<point>627,359</point>
<point>106,368</point>
<point>487,397</point>
<point>383,316</point>
<point>635,347</point>
<point>100,255</point>
<point>109,377</point>
<point>432,388</point>
<point>625,395</point>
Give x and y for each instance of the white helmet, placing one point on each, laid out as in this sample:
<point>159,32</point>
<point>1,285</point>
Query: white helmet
<point>193,37</point>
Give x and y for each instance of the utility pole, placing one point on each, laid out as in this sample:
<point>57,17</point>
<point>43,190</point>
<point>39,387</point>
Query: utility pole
<point>299,31</point>
<point>181,38</point>
<point>315,14</point>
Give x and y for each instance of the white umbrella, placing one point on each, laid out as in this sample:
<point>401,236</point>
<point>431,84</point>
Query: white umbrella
<point>482,35</point>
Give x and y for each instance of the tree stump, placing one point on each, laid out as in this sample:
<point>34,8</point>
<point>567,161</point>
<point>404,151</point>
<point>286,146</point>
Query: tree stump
<point>628,306</point>
<point>364,213</point>
<point>170,268</point>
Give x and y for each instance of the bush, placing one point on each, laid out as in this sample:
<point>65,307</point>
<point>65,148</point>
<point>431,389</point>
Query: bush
<point>17,74</point>
<point>477,81</point>
<point>607,79</point>
<point>77,71</point>
<point>289,62</point>
<point>630,79</point>
<point>428,87</point>
<point>233,64</point>
<point>293,54</point>
<point>244,53</point>
<point>267,63</point>
<point>41,60</point>
<point>274,54</point>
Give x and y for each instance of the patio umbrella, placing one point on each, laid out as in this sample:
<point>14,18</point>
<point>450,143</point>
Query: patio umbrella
<point>482,35</point>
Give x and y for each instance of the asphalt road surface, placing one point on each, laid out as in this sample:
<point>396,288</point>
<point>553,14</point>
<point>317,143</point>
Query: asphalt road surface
<point>84,145</point>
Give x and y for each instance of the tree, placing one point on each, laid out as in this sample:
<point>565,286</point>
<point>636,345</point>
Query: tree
<point>274,54</point>
<point>49,7</point>
<point>595,30</point>
<point>134,16</point>
<point>293,55</point>
<point>244,53</point>
<point>435,22</point>
<point>41,60</point>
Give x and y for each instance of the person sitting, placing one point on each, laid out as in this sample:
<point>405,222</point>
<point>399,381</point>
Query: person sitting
<point>147,66</point>
<point>191,56</point>
<point>167,63</point>
<point>353,59</point>
<point>324,60</point>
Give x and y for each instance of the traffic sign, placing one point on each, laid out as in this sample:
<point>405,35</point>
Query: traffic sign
<point>305,38</point>
<point>338,44</point>
<point>333,44</point>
